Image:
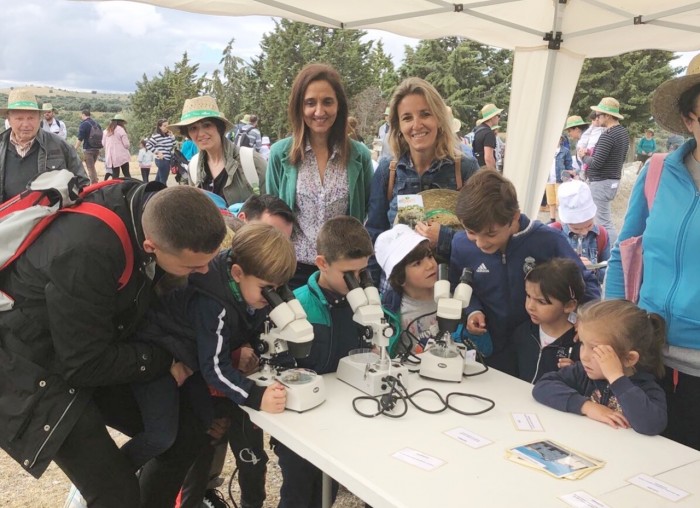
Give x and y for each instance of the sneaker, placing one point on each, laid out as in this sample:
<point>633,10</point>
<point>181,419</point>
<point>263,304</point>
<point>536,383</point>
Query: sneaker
<point>214,499</point>
<point>75,499</point>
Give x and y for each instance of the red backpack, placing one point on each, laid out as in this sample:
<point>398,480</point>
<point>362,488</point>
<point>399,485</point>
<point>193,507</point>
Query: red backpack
<point>601,239</point>
<point>24,217</point>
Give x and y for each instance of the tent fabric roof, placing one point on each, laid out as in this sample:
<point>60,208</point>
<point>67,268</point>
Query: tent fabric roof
<point>593,28</point>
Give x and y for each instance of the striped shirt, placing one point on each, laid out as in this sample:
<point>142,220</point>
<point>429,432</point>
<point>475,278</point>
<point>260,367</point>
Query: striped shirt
<point>159,143</point>
<point>610,154</point>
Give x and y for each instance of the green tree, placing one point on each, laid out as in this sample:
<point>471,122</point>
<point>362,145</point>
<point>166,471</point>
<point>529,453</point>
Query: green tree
<point>384,73</point>
<point>289,47</point>
<point>227,84</point>
<point>631,78</point>
<point>465,73</point>
<point>163,96</point>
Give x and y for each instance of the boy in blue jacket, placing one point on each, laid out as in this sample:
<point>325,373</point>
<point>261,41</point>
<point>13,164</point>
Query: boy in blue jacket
<point>500,245</point>
<point>343,246</point>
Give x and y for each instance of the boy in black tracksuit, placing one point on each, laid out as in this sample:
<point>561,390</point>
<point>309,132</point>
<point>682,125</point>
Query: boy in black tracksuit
<point>225,310</point>
<point>343,246</point>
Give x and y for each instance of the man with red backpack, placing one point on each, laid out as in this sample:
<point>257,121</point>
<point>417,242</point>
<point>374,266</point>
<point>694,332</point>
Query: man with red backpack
<point>67,354</point>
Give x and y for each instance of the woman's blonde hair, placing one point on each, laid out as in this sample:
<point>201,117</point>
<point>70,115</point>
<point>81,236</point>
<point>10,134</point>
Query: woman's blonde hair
<point>447,144</point>
<point>264,252</point>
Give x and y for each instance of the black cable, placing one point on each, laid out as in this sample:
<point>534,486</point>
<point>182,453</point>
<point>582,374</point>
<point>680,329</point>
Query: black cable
<point>230,487</point>
<point>480,357</point>
<point>387,402</point>
<point>406,332</point>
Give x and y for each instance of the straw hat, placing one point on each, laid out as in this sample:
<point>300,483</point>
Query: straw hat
<point>574,121</point>
<point>47,106</point>
<point>664,103</point>
<point>119,116</point>
<point>197,109</point>
<point>609,106</point>
<point>246,119</point>
<point>20,99</point>
<point>455,123</point>
<point>440,205</point>
<point>489,111</point>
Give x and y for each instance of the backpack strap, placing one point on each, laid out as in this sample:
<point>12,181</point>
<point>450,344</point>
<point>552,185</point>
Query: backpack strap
<point>117,225</point>
<point>651,184</point>
<point>458,170</point>
<point>392,180</point>
<point>601,240</point>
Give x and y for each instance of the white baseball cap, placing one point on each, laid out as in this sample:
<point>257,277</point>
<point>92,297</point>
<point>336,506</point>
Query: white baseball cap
<point>394,245</point>
<point>575,202</point>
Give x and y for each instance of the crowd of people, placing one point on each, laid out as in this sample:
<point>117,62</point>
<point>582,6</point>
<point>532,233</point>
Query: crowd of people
<point>163,355</point>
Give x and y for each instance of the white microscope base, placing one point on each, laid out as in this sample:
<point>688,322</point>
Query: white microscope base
<point>300,397</point>
<point>441,368</point>
<point>367,378</point>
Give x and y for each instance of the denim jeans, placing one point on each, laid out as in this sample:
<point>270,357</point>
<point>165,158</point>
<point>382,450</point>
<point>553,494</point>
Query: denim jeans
<point>603,193</point>
<point>158,402</point>
<point>163,170</point>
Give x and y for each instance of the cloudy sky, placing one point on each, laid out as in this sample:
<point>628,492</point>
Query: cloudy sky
<point>108,46</point>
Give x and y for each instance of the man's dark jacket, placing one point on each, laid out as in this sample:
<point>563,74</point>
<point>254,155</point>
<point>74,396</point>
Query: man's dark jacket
<point>66,334</point>
<point>54,153</point>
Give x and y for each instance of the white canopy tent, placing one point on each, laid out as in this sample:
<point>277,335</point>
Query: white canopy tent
<point>550,39</point>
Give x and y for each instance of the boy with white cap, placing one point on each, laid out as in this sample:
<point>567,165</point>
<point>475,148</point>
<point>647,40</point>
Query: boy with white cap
<point>577,213</point>
<point>411,270</point>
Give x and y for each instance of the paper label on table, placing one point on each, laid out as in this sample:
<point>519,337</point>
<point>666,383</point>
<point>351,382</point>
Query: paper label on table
<point>527,421</point>
<point>581,499</point>
<point>418,459</point>
<point>658,487</point>
<point>467,437</point>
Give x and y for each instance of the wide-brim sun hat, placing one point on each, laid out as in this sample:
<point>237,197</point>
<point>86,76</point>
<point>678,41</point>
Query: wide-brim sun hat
<point>574,121</point>
<point>664,102</point>
<point>440,205</point>
<point>20,99</point>
<point>199,108</point>
<point>609,106</point>
<point>456,124</point>
<point>246,119</point>
<point>47,106</point>
<point>119,117</point>
<point>489,111</point>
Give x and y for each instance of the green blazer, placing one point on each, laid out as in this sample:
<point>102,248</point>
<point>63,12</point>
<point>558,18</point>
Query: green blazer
<point>281,177</point>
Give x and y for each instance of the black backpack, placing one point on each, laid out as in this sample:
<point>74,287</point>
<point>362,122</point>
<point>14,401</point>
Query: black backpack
<point>243,139</point>
<point>95,137</point>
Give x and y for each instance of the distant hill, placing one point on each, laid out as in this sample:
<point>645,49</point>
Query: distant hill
<point>60,92</point>
<point>69,103</point>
